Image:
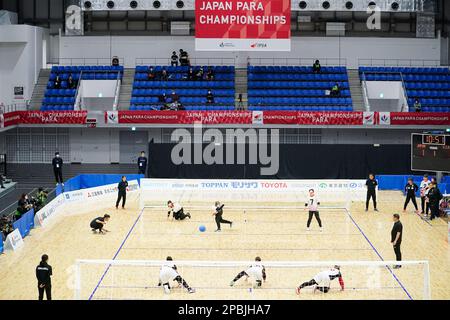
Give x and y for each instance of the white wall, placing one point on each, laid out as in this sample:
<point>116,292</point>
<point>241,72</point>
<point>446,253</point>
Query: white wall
<point>94,145</point>
<point>92,88</point>
<point>351,48</point>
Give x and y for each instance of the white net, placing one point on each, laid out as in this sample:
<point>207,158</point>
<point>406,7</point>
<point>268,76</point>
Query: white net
<point>138,279</point>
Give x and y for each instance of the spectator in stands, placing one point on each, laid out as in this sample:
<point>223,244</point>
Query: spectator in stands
<point>417,105</point>
<point>41,199</point>
<point>115,62</point>
<point>191,74</point>
<point>162,98</point>
<point>57,84</point>
<point>335,90</point>
<point>184,58</point>
<point>209,97</point>
<point>210,74</point>
<point>316,66</point>
<point>6,227</point>
<point>72,84</point>
<point>23,205</point>
<point>164,75</point>
<point>174,59</point>
<point>199,74</point>
<point>151,74</point>
<point>174,97</point>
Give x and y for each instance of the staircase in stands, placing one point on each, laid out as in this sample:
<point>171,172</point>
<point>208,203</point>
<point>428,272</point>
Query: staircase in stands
<point>241,86</point>
<point>126,89</point>
<point>39,89</point>
<point>356,90</point>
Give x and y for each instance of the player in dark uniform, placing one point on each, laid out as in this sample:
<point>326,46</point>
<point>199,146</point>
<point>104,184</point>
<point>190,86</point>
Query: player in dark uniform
<point>43,275</point>
<point>99,224</point>
<point>322,280</point>
<point>371,185</point>
<point>218,213</point>
<point>434,197</point>
<point>122,192</point>
<point>411,189</point>
<point>177,211</point>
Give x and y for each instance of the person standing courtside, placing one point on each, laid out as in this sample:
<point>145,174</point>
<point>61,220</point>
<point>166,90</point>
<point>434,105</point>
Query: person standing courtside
<point>396,238</point>
<point>424,185</point>
<point>122,194</point>
<point>142,163</point>
<point>371,185</point>
<point>57,164</point>
<point>43,275</point>
<point>411,189</point>
<point>434,198</point>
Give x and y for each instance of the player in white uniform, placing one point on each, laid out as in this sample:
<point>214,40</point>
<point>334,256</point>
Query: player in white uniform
<point>177,211</point>
<point>256,271</point>
<point>322,280</point>
<point>313,208</point>
<point>424,187</point>
<point>169,273</point>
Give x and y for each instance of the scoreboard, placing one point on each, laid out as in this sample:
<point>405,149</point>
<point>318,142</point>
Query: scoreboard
<point>430,152</point>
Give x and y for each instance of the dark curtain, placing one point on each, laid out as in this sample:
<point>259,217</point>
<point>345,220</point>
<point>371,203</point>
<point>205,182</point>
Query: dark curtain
<point>296,161</point>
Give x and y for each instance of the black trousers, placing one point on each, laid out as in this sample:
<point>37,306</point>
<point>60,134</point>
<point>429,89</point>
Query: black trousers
<point>122,196</point>
<point>398,253</point>
<point>316,214</point>
<point>371,194</point>
<point>413,199</point>
<point>180,215</point>
<point>220,220</point>
<point>58,175</point>
<point>425,205</point>
<point>1,181</point>
<point>141,170</point>
<point>48,292</point>
<point>434,209</point>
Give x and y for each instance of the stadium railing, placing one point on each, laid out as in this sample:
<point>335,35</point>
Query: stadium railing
<point>297,61</point>
<point>83,62</point>
<point>193,61</point>
<point>399,62</point>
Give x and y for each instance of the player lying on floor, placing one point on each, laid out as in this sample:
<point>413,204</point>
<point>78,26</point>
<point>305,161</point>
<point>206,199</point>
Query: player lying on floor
<point>177,211</point>
<point>169,273</point>
<point>255,271</point>
<point>322,280</point>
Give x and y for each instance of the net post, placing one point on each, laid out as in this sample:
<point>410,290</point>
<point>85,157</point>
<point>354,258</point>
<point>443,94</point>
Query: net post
<point>77,287</point>
<point>426,281</point>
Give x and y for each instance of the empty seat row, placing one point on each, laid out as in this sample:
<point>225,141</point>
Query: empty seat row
<point>299,101</point>
<point>431,102</point>
<point>58,100</point>
<point>428,85</point>
<point>55,107</point>
<point>295,85</point>
<point>429,94</point>
<point>431,109</point>
<point>183,76</point>
<point>181,92</point>
<point>185,69</point>
<point>294,69</point>
<point>289,76</point>
<point>183,84</point>
<point>346,108</point>
<point>292,93</point>
<point>78,69</point>
<point>88,76</point>
<point>188,108</point>
<point>406,77</point>
<point>60,92</point>
<point>183,100</point>
<point>406,70</point>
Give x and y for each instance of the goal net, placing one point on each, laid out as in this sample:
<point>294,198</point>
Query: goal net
<point>138,279</point>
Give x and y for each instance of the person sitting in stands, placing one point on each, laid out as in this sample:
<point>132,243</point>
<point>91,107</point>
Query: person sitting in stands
<point>72,84</point>
<point>335,90</point>
<point>165,107</point>
<point>190,74</point>
<point>41,199</point>
<point>174,97</point>
<point>174,59</point>
<point>164,75</point>
<point>151,74</point>
<point>57,84</point>
<point>23,206</point>
<point>316,66</point>
<point>210,74</point>
<point>417,106</point>
<point>199,74</point>
<point>209,97</point>
<point>184,58</point>
<point>162,98</point>
<point>115,62</point>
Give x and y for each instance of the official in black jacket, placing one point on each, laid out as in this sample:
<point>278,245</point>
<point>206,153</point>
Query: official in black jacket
<point>122,192</point>
<point>57,164</point>
<point>434,197</point>
<point>396,238</point>
<point>142,163</point>
<point>43,275</point>
<point>371,185</point>
<point>411,189</point>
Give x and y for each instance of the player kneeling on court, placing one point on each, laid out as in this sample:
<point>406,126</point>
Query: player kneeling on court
<point>169,273</point>
<point>177,211</point>
<point>255,271</point>
<point>322,280</point>
<point>99,224</point>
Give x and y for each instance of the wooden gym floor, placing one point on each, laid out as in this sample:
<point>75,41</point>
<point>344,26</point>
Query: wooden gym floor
<point>274,233</point>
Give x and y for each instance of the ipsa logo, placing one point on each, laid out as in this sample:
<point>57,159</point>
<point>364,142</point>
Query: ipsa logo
<point>323,185</point>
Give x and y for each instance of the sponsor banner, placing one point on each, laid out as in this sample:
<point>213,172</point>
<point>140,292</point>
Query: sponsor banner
<point>14,240</point>
<point>384,118</point>
<point>11,118</point>
<point>419,118</point>
<point>44,117</point>
<point>98,192</point>
<point>243,25</point>
<point>48,211</point>
<point>313,118</point>
<point>25,223</point>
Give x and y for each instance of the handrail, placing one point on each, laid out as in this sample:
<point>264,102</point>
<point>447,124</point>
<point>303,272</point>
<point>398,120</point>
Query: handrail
<point>405,94</point>
<point>365,92</point>
<point>84,61</point>
<point>77,96</point>
<point>297,61</point>
<point>23,106</point>
<point>193,61</point>
<point>399,62</point>
<point>117,94</point>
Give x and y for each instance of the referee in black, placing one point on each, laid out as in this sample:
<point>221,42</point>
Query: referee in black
<point>396,238</point>
<point>122,194</point>
<point>142,163</point>
<point>371,185</point>
<point>218,213</point>
<point>43,275</point>
<point>57,164</point>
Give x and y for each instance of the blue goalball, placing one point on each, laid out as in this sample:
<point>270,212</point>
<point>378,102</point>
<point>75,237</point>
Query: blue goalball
<point>202,228</point>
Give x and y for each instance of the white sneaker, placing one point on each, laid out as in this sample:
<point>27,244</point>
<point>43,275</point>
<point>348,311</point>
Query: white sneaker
<point>308,229</point>
<point>166,289</point>
<point>321,229</point>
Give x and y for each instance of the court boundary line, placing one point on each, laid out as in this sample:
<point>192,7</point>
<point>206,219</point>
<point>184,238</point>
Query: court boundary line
<point>378,254</point>
<point>116,254</point>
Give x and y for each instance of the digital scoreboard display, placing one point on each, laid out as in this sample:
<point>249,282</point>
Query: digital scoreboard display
<point>430,152</point>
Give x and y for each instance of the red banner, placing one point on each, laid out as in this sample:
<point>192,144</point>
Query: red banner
<point>313,118</point>
<point>234,25</point>
<point>46,117</point>
<point>419,119</point>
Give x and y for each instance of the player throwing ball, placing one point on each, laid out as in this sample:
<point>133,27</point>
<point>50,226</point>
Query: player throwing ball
<point>313,208</point>
<point>256,271</point>
<point>322,280</point>
<point>177,211</point>
<point>99,224</point>
<point>168,273</point>
<point>218,207</point>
